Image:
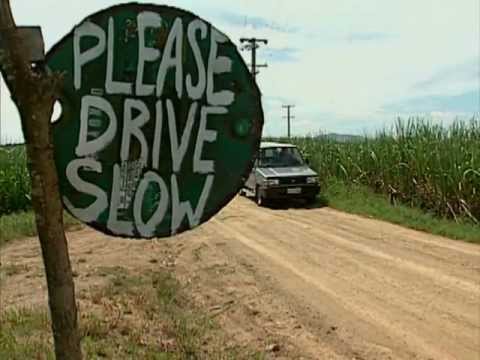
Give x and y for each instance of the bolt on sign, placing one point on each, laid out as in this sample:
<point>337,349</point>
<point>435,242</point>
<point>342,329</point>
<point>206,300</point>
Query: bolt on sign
<point>161,120</point>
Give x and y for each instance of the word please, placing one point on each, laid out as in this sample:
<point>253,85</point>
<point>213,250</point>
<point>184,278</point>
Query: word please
<point>171,57</point>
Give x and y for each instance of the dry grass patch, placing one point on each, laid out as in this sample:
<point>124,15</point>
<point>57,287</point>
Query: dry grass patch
<point>137,316</point>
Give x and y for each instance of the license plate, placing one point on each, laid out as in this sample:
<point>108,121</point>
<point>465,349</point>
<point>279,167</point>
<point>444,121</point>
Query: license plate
<point>294,191</point>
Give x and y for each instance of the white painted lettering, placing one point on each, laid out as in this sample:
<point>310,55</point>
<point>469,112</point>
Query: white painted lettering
<point>179,150</point>
<point>80,59</point>
<point>147,229</point>
<point>180,209</point>
<point>204,135</point>
<point>197,91</point>
<point>174,41</point>
<point>111,86</point>
<point>157,140</point>
<point>146,20</point>
<point>132,127</point>
<point>218,65</point>
<point>88,147</point>
<point>93,211</point>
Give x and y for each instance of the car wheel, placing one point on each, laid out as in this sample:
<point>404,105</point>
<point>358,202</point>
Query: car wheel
<point>259,198</point>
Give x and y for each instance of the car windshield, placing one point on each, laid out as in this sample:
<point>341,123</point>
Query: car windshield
<point>280,157</point>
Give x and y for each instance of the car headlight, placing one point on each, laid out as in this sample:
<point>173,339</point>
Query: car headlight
<point>312,180</point>
<point>270,182</point>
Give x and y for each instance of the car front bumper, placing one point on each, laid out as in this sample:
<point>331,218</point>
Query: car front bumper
<point>288,192</point>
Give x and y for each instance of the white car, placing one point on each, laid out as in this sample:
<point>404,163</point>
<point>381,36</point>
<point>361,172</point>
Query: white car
<point>280,172</point>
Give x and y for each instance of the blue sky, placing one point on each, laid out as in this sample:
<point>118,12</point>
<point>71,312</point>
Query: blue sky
<point>349,66</point>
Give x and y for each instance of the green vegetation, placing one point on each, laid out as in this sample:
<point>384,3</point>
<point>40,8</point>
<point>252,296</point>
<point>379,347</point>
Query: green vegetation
<point>16,218</point>
<point>14,180</point>
<point>359,199</point>
<point>144,316</point>
<point>25,335</point>
<point>22,224</point>
<point>16,226</point>
<point>417,163</point>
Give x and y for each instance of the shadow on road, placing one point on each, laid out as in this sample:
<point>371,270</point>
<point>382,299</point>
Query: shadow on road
<point>321,202</point>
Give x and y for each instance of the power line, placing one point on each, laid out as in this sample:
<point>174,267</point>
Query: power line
<point>289,117</point>
<point>252,45</point>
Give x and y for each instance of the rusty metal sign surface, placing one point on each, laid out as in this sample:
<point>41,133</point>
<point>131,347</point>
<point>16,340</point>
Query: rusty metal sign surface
<point>161,120</point>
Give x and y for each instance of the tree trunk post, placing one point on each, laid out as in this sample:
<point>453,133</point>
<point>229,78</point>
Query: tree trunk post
<point>34,93</point>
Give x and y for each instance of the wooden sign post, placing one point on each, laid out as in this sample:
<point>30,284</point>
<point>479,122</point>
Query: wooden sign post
<point>34,93</point>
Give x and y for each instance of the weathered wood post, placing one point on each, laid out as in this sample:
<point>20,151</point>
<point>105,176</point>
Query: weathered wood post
<point>34,93</point>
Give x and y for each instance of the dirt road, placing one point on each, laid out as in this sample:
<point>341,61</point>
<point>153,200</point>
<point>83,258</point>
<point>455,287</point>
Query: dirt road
<point>318,283</point>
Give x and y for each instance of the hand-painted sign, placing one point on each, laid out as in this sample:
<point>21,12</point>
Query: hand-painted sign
<point>160,123</point>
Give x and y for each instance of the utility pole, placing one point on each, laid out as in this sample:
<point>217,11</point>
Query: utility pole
<point>288,117</point>
<point>252,45</point>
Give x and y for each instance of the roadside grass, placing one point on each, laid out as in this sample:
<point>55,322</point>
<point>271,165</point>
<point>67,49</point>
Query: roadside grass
<point>359,199</point>
<point>25,335</point>
<point>136,316</point>
<point>21,225</point>
<point>14,180</point>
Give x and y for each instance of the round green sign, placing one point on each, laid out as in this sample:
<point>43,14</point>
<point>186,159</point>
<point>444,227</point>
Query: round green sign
<point>161,120</point>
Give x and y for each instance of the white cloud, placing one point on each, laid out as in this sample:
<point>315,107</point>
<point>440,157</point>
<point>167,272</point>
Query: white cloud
<point>353,56</point>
